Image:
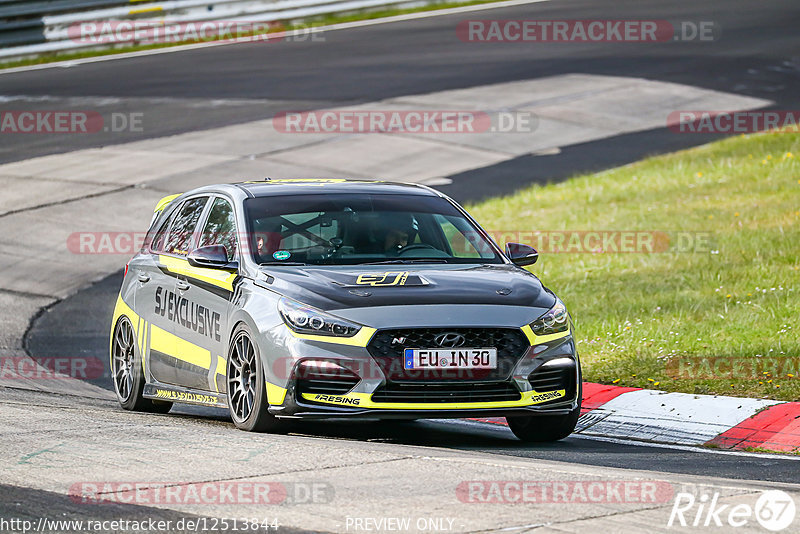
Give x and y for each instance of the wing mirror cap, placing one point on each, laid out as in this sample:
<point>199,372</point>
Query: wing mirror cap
<point>521,254</point>
<point>212,257</point>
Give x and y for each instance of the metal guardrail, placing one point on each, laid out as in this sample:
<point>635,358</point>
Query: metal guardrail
<point>29,28</point>
<point>22,21</point>
<point>22,8</point>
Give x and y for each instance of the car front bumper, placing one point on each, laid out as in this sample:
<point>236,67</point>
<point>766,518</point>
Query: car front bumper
<point>358,403</point>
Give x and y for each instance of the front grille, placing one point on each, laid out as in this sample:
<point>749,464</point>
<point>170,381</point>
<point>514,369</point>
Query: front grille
<point>446,392</point>
<point>387,348</point>
<point>336,382</point>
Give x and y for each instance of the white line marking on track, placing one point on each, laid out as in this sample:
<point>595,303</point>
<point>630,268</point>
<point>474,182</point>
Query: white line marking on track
<point>683,418</point>
<point>688,448</point>
<point>333,27</point>
<point>618,441</point>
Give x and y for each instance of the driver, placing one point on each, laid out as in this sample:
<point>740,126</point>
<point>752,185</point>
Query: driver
<point>397,229</point>
<point>395,240</point>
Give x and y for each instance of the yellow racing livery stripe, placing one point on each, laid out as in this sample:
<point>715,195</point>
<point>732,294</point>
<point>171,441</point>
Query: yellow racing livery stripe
<point>538,340</point>
<point>164,201</point>
<point>361,339</point>
<point>220,369</point>
<point>171,345</point>
<point>140,338</point>
<point>275,394</point>
<point>215,277</point>
<point>364,400</point>
<point>222,366</point>
<point>120,309</point>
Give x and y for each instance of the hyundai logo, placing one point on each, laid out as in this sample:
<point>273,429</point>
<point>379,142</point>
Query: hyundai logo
<point>450,340</point>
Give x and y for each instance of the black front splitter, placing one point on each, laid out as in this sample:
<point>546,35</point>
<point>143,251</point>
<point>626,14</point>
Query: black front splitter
<point>315,412</point>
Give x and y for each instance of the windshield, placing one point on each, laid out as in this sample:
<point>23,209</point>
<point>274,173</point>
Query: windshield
<point>341,229</point>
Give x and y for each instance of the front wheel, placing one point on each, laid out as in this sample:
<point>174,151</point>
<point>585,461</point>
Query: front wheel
<point>127,374</point>
<point>247,394</point>
<point>542,428</point>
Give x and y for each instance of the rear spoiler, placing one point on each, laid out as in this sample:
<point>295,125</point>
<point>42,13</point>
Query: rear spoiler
<point>161,205</point>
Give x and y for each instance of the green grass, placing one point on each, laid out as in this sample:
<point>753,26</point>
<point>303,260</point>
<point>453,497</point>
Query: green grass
<point>323,20</point>
<point>636,312</point>
<point>762,449</point>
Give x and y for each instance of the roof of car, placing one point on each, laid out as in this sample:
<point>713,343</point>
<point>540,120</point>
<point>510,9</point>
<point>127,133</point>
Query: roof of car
<point>269,187</point>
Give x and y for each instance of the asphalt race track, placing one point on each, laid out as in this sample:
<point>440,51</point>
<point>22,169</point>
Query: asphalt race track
<point>79,326</point>
<point>205,88</point>
<point>757,55</point>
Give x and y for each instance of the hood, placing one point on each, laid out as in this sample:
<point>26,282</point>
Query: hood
<point>356,286</point>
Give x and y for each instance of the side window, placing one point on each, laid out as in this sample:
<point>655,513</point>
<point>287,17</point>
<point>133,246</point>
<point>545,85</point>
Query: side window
<point>462,241</point>
<point>180,235</point>
<point>157,244</point>
<point>221,228</point>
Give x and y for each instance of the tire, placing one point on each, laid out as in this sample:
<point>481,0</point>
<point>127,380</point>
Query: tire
<point>247,393</point>
<point>126,371</point>
<point>545,428</point>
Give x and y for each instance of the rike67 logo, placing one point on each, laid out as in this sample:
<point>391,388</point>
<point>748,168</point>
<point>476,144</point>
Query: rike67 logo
<point>774,510</point>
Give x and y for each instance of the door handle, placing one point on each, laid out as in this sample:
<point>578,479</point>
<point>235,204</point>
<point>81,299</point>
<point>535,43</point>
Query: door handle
<point>183,286</point>
<point>143,277</point>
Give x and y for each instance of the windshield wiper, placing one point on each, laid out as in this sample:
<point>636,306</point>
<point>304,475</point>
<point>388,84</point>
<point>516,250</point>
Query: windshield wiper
<point>275,263</point>
<point>416,260</point>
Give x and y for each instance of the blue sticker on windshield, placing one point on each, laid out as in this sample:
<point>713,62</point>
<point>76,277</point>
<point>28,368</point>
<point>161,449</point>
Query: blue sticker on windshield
<point>281,254</point>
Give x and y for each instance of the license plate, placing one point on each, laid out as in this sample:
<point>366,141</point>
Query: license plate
<point>450,359</point>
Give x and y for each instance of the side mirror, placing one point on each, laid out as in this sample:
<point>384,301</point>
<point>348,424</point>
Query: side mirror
<point>211,256</point>
<point>521,254</point>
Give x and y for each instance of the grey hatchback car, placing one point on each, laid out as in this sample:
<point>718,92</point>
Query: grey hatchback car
<point>329,298</point>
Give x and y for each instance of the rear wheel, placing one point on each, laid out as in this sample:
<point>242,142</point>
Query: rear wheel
<point>247,393</point>
<point>126,371</point>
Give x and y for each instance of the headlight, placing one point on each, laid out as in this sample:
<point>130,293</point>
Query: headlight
<point>555,320</point>
<point>307,320</point>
